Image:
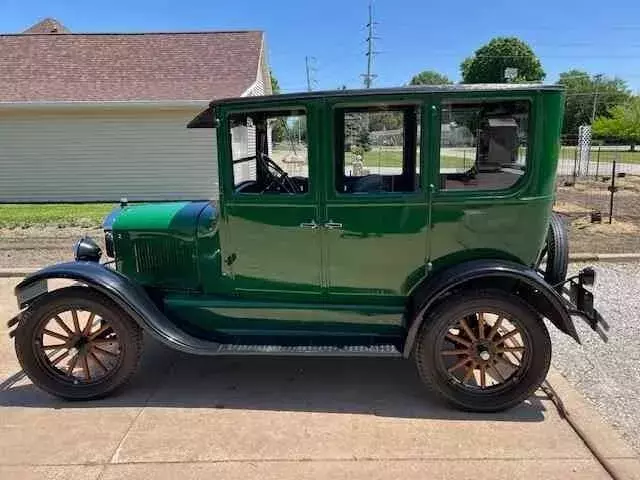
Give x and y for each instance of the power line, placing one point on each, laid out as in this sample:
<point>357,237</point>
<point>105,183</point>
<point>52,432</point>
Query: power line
<point>309,64</point>
<point>368,77</point>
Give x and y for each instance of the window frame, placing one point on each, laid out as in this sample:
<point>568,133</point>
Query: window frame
<point>532,137</point>
<point>229,178</point>
<point>337,145</point>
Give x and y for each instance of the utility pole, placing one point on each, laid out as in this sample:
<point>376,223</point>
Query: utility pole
<point>310,69</point>
<point>595,97</point>
<point>368,77</point>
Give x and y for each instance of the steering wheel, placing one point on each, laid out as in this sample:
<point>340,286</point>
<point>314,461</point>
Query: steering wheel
<point>278,176</point>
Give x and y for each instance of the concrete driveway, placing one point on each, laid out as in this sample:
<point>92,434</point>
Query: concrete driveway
<point>281,418</point>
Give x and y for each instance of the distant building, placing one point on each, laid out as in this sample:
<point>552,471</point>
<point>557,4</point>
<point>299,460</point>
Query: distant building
<point>95,117</point>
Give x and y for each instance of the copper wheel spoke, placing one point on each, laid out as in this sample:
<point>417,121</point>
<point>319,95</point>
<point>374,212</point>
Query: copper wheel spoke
<point>458,365</point>
<point>106,352</point>
<point>102,329</point>
<point>455,352</point>
<point>76,323</point>
<point>469,374</point>
<point>483,376</point>
<point>104,340</point>
<point>59,336</point>
<point>463,324</point>
<point>60,358</point>
<point>457,339</point>
<point>495,369</point>
<point>54,347</point>
<point>510,334</point>
<point>72,364</point>
<point>500,358</point>
<point>87,327</point>
<point>63,325</point>
<point>85,367</point>
<point>495,328</point>
<point>481,325</point>
<point>98,361</point>
<point>509,349</point>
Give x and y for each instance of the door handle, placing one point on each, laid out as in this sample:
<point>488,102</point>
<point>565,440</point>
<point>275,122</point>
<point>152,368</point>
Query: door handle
<point>332,225</point>
<point>312,225</point>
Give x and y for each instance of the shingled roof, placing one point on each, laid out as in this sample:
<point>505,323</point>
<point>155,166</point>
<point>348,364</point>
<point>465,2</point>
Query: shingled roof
<point>118,67</point>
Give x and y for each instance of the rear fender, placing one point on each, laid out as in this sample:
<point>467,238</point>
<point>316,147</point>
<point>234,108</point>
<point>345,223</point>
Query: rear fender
<point>132,298</point>
<point>499,274</point>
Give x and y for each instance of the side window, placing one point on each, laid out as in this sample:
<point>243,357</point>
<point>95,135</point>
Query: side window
<point>377,149</point>
<point>483,145</point>
<point>269,152</point>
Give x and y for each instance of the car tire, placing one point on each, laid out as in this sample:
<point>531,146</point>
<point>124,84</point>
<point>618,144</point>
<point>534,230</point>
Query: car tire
<point>101,353</point>
<point>437,329</point>
<point>556,252</point>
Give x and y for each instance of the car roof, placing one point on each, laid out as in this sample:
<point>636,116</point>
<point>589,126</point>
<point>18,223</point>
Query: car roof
<point>414,89</point>
<point>206,118</point>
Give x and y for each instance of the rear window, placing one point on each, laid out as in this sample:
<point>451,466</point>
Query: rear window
<point>483,145</point>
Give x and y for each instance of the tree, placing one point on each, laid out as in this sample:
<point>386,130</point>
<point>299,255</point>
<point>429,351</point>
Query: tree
<point>429,77</point>
<point>488,63</point>
<point>623,124</point>
<point>583,91</point>
<point>275,86</point>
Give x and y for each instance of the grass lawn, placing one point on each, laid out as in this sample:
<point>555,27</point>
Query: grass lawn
<point>393,158</point>
<point>606,154</point>
<point>59,214</point>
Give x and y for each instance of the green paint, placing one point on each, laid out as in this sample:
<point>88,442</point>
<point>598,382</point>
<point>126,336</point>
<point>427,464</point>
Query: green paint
<point>244,267</point>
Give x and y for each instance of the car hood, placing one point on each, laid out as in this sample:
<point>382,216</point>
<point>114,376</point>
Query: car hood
<point>178,217</point>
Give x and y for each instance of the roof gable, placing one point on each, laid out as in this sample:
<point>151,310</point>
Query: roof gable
<point>48,25</point>
<point>121,67</point>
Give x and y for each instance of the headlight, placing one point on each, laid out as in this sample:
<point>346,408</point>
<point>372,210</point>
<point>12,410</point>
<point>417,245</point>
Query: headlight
<point>86,249</point>
<point>108,244</point>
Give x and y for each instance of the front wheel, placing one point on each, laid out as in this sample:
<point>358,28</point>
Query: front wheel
<point>76,344</point>
<point>483,351</point>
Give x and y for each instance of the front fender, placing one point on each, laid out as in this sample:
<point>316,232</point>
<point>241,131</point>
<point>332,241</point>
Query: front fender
<point>487,273</point>
<point>132,298</point>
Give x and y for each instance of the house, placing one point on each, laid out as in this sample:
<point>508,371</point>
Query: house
<point>97,117</point>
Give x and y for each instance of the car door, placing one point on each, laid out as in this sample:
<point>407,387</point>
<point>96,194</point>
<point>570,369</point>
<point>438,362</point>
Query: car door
<point>376,211</point>
<point>271,243</point>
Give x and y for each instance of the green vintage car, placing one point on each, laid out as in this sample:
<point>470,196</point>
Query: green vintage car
<point>410,221</point>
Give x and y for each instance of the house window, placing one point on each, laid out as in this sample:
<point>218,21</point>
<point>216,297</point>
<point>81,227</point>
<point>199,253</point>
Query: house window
<point>483,145</point>
<point>377,149</point>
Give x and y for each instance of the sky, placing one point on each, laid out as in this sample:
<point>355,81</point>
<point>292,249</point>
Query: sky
<point>414,35</point>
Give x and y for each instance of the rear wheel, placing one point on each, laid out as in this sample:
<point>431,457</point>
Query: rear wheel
<point>76,344</point>
<point>483,351</point>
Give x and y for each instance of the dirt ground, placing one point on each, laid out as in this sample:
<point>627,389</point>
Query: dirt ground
<point>39,246</point>
<point>576,203</point>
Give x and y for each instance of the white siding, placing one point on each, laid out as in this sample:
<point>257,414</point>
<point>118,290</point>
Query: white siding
<point>105,155</point>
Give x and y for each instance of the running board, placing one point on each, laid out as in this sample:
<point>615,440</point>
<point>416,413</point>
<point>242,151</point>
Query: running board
<point>311,351</point>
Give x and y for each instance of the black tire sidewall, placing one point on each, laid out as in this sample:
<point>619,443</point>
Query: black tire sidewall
<point>557,251</point>
<point>427,355</point>
<point>82,298</point>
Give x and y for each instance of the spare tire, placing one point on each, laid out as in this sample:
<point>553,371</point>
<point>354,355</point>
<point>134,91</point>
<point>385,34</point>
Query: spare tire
<point>554,258</point>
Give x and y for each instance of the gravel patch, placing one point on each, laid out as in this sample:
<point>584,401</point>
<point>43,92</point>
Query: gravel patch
<point>608,374</point>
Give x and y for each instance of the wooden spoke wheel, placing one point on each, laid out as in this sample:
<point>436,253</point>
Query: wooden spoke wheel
<point>76,344</point>
<point>483,350</point>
